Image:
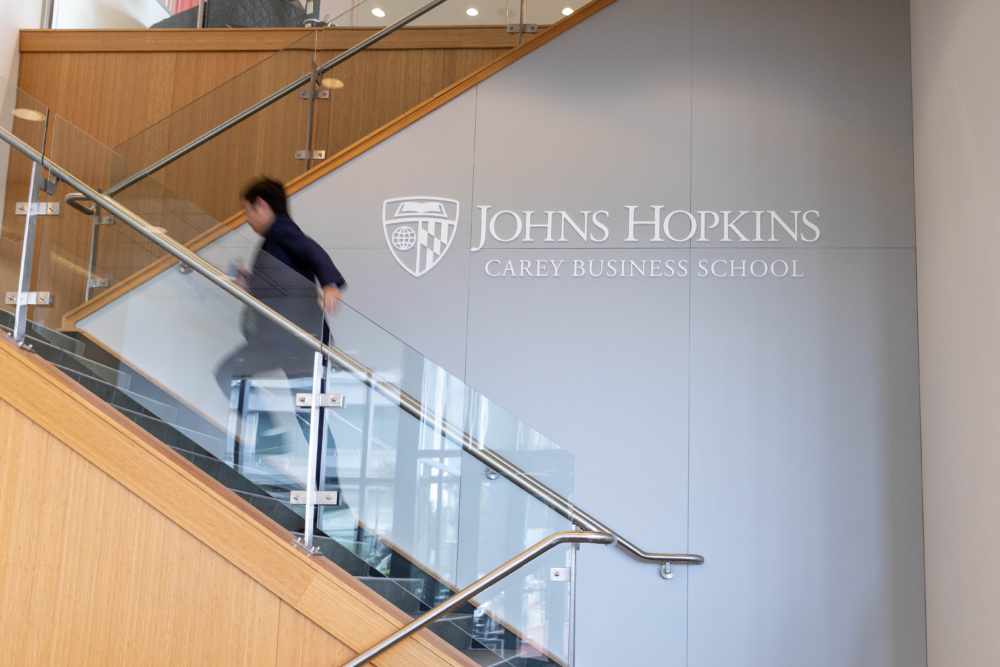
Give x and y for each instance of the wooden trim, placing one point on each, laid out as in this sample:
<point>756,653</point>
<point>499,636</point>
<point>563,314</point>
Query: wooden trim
<point>335,162</point>
<point>259,39</point>
<point>213,514</point>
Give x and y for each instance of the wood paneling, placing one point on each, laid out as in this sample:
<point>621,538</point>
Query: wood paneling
<point>115,551</point>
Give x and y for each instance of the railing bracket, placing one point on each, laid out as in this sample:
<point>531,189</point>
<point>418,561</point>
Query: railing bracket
<point>325,400</point>
<point>49,186</point>
<point>667,571</point>
<point>312,551</point>
<point>310,155</point>
<point>40,208</point>
<point>314,94</point>
<point>29,299</point>
<point>523,28</point>
<point>325,498</point>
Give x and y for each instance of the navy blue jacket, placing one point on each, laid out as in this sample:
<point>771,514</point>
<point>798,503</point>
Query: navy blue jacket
<point>284,276</point>
<point>285,242</point>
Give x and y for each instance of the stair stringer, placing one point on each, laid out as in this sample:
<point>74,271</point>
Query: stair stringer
<point>115,550</point>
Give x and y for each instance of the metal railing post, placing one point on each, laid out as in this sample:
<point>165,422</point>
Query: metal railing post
<point>27,255</point>
<point>312,473</point>
<point>312,115</point>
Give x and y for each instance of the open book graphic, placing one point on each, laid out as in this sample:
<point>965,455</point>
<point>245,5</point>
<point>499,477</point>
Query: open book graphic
<point>421,208</point>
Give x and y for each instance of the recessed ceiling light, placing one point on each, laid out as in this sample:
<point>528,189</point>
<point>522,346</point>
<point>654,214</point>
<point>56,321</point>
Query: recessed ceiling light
<point>472,11</point>
<point>567,11</point>
<point>29,114</point>
<point>379,12</point>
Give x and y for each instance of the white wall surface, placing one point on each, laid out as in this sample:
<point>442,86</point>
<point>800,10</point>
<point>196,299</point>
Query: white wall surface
<point>15,15</point>
<point>85,14</point>
<point>956,95</point>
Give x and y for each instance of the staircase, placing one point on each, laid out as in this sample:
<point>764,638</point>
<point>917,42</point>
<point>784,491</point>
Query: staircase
<point>394,577</point>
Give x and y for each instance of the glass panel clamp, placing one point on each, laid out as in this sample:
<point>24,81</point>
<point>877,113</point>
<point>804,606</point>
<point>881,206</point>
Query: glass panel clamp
<point>325,400</point>
<point>325,498</point>
<point>37,208</point>
<point>560,574</point>
<point>310,155</point>
<point>49,186</point>
<point>28,299</point>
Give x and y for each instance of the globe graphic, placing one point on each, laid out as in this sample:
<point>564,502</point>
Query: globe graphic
<point>404,238</point>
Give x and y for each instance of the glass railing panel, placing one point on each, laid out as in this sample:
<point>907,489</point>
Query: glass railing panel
<point>211,175</point>
<point>408,67</point>
<point>446,397</point>
<point>293,134</point>
<point>99,253</point>
<point>110,254</point>
<point>184,14</point>
<point>379,13</point>
<point>26,118</point>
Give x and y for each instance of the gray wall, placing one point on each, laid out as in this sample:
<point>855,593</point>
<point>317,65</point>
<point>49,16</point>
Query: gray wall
<point>771,424</point>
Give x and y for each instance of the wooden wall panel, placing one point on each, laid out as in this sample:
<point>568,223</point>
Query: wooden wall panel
<point>91,574</point>
<point>303,643</point>
<point>116,551</point>
<point>115,85</point>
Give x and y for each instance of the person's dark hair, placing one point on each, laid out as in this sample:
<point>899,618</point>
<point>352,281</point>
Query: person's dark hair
<point>269,190</point>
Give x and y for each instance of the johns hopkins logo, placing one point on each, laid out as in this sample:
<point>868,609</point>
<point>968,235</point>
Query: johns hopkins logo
<point>419,230</point>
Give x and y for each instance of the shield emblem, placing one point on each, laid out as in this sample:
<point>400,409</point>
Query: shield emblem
<point>419,230</point>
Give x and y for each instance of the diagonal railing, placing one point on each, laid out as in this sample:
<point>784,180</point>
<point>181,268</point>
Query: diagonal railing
<point>469,592</point>
<point>409,404</point>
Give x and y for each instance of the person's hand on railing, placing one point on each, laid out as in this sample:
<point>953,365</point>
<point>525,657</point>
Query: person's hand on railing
<point>329,301</point>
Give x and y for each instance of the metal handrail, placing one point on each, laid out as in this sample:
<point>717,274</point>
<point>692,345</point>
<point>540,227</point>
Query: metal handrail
<point>406,402</point>
<point>466,594</point>
<point>73,199</point>
<point>268,101</point>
